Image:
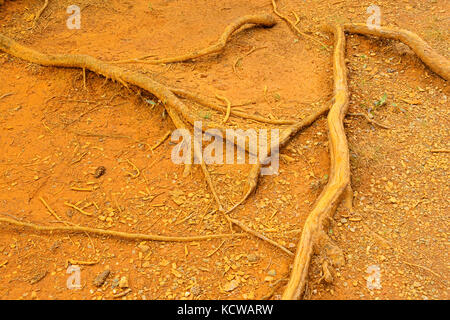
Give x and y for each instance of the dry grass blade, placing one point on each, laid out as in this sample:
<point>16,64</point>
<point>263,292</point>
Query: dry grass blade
<point>369,120</point>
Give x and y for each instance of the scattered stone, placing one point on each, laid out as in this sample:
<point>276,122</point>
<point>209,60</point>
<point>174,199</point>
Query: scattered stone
<point>38,277</point>
<point>123,282</point>
<point>196,290</point>
<point>99,172</point>
<point>145,248</point>
<point>101,278</point>
<point>230,286</point>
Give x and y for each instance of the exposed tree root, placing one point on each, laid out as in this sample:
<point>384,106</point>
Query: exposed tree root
<point>160,91</point>
<point>369,120</point>
<point>240,59</point>
<point>235,221</point>
<point>257,234</point>
<point>39,13</point>
<point>263,20</point>
<point>205,102</point>
<point>440,151</point>
<point>6,95</point>
<point>436,62</point>
<point>115,234</point>
<point>163,93</point>
<point>227,115</point>
<point>313,237</point>
<point>293,25</point>
<point>172,104</point>
<point>178,122</point>
<point>166,135</point>
<point>285,136</point>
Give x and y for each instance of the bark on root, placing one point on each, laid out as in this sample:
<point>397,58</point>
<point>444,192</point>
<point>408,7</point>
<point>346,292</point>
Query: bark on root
<point>313,234</point>
<point>313,238</point>
<point>436,62</point>
<point>263,20</point>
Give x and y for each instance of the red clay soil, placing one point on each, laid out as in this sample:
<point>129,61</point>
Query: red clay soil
<point>55,134</point>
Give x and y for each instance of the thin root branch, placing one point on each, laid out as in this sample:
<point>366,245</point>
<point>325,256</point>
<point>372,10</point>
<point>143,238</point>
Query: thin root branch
<point>294,27</point>
<point>39,13</point>
<point>205,102</point>
<point>114,234</point>
<point>228,112</point>
<point>369,120</point>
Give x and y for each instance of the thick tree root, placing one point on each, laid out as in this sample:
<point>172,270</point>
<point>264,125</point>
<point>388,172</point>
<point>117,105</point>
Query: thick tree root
<point>163,93</point>
<point>108,71</point>
<point>115,234</point>
<point>313,234</point>
<point>436,62</point>
<point>173,105</point>
<point>313,238</point>
<point>263,20</point>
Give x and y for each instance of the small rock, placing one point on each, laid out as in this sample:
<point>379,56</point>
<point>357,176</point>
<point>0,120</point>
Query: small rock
<point>115,283</point>
<point>99,172</point>
<point>252,257</point>
<point>145,248</point>
<point>101,278</point>
<point>123,282</point>
<point>230,286</point>
<point>196,290</point>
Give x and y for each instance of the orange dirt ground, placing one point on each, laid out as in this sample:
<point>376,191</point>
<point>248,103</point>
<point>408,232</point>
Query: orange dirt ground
<point>54,134</point>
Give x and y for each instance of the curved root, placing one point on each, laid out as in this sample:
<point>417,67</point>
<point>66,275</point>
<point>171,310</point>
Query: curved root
<point>108,71</point>
<point>263,20</point>
<point>328,200</point>
<point>436,62</point>
<point>293,25</point>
